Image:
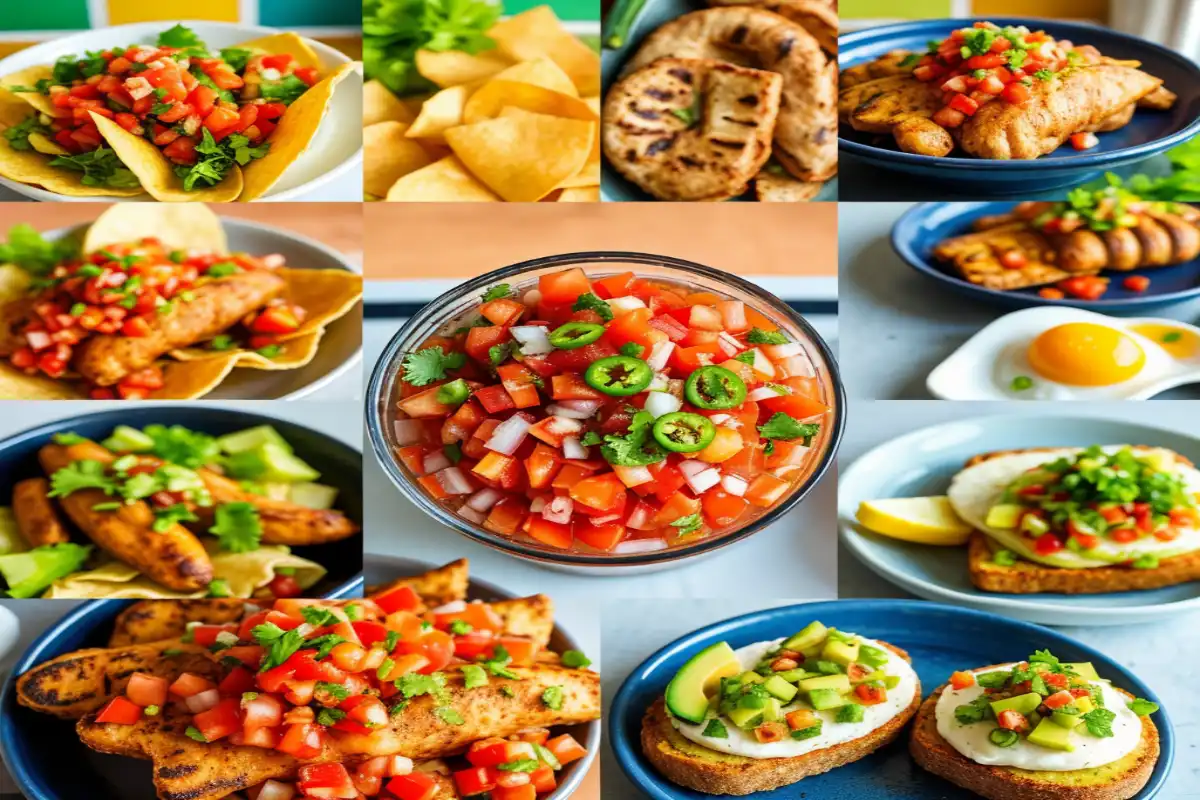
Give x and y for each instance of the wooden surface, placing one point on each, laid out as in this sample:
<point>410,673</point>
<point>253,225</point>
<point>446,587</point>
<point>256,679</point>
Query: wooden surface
<point>406,241</point>
<point>338,225</point>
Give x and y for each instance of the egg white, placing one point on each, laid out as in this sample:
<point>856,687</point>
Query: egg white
<point>976,489</point>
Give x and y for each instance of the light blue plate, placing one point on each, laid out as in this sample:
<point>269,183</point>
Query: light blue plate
<point>923,462</point>
<point>939,639</point>
<point>613,187</point>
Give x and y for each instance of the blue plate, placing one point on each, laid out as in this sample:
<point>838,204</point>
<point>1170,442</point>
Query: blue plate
<point>36,747</point>
<point>340,466</point>
<point>925,226</point>
<point>922,463</point>
<point>1149,133</point>
<point>656,13</point>
<point>940,639</point>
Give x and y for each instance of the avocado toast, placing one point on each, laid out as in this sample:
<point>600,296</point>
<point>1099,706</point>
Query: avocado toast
<point>1037,730</point>
<point>772,713</point>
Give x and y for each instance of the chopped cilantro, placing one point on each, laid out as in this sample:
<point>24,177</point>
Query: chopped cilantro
<point>166,518</point>
<point>280,644</point>
<point>219,587</point>
<point>590,302</point>
<point>318,616</point>
<point>474,676</point>
<point>194,733</point>
<point>575,659</point>
<point>783,426</point>
<point>498,292</point>
<point>688,524</point>
<point>80,475</point>
<point>759,336</point>
<point>746,357</point>
<point>449,716</point>
<point>637,447</point>
<point>715,729</point>
<point>520,765</point>
<point>1143,708</point>
<point>426,366</point>
<point>1004,558</point>
<point>237,527</point>
<point>334,690</point>
<point>1099,722</point>
<point>330,716</point>
<point>460,627</point>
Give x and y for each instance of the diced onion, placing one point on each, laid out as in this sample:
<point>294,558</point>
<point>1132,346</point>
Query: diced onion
<point>796,367</point>
<point>660,354</point>
<point>408,431</point>
<point>573,449</point>
<point>623,305</point>
<point>691,466</point>
<point>563,410</point>
<point>452,607</point>
<point>763,364</point>
<point>435,461</point>
<point>138,87</point>
<point>659,383</point>
<point>764,393</point>
<point>484,499</point>
<point>399,765</point>
<point>700,476</point>
<point>598,521</point>
<point>508,435</point>
<point>534,339</point>
<point>559,510</point>
<point>274,790</point>
<point>453,481</point>
<point>779,351</point>
<point>640,546</point>
<point>642,518</point>
<point>659,403</point>
<point>466,512</point>
<point>719,419</point>
<point>582,406</point>
<point>633,476</point>
<point>734,485</point>
<point>203,701</point>
<point>733,315</point>
<point>729,345</point>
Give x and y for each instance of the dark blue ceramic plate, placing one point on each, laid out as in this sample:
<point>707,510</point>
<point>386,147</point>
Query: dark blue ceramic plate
<point>340,466</point>
<point>44,755</point>
<point>940,639</point>
<point>921,229</point>
<point>1149,133</point>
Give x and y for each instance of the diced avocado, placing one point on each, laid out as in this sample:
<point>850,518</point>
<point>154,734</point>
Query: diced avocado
<point>746,717</point>
<point>825,699</point>
<point>772,711</point>
<point>877,675</point>
<point>1004,515</point>
<point>1084,669</point>
<point>281,465</point>
<point>838,683</point>
<point>891,681</point>
<point>1068,721</point>
<point>814,633</point>
<point>687,693</point>
<point>1084,704</point>
<point>30,573</point>
<point>1025,703</point>
<point>793,675</point>
<point>840,652</point>
<point>275,491</point>
<point>125,439</point>
<point>780,688</point>
<point>313,495</point>
<point>1051,736</point>
<point>749,676</point>
<point>872,656</point>
<point>251,439</point>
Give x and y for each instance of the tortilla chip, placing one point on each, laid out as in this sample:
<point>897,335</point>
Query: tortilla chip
<point>442,111</point>
<point>293,354</point>
<point>593,103</point>
<point>488,102</point>
<point>580,194</point>
<point>156,173</point>
<point>540,72</point>
<point>445,181</point>
<point>16,385</point>
<point>538,32</point>
<point>243,572</point>
<point>389,155</point>
<point>278,43</point>
<point>523,157</point>
<point>293,136</point>
<point>29,77</point>
<point>380,105</point>
<point>33,168</point>
<point>454,67</point>
<point>186,226</point>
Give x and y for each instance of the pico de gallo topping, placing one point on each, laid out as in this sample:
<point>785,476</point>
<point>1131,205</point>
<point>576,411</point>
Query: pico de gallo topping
<point>298,676</point>
<point>205,111</point>
<point>124,290</point>
<point>976,65</point>
<point>1075,503</point>
<point>617,415</point>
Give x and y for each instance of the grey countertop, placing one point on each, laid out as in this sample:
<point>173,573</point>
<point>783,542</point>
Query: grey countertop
<point>897,325</point>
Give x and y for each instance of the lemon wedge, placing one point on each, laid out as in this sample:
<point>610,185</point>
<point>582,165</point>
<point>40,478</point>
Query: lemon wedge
<point>925,520</point>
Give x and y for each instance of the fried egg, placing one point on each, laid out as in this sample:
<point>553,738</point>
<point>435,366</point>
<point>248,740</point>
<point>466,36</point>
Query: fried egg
<point>977,488</point>
<point>1059,353</point>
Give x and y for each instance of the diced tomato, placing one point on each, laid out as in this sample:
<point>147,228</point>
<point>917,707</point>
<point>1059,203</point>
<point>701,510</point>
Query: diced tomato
<point>600,537</point>
<point>722,508</point>
<point>542,465</point>
<point>302,740</point>
<point>1013,259</point>
<point>870,695</point>
<point>554,534</point>
<point>522,792</point>
<point>580,358</point>
<point>495,399</point>
<point>1012,720</point>
<point>1084,141</point>
<point>1059,699</point>
<point>542,779</point>
<point>475,780</point>
<point>182,149</point>
<point>765,490</point>
<point>504,311</point>
<point>604,492</point>
<point>521,384</point>
<point>414,786</point>
<point>572,386</point>
<point>1016,93</point>
<point>219,721</point>
<point>565,286</point>
<point>1047,544</point>
<point>1136,283</point>
<point>326,780</point>
<point>146,690</point>
<point>120,711</point>
<point>565,748</point>
<point>479,616</point>
<point>962,680</point>
<point>188,684</point>
<point>401,598</point>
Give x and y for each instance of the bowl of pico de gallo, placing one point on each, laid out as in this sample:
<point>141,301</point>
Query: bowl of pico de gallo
<point>606,411</point>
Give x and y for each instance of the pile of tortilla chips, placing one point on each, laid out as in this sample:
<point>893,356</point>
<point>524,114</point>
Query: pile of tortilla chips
<point>325,294</point>
<point>519,123</point>
<point>152,169</point>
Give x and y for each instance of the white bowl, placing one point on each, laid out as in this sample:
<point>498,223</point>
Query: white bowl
<point>335,150</point>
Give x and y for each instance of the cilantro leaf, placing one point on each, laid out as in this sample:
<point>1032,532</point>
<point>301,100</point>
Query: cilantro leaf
<point>637,447</point>
<point>100,167</point>
<point>334,690</point>
<point>575,659</point>
<point>324,644</point>
<point>449,715</point>
<point>590,438</point>
<point>590,302</point>
<point>193,732</point>
<point>165,518</point>
<point>280,645</point>
<point>393,32</point>
<point>80,475</point>
<point>783,426</point>
<point>1143,708</point>
<point>330,716</point>
<point>183,446</point>
<point>688,524</point>
<point>474,676</point>
<point>759,336</point>
<point>500,291</point>
<point>318,617</point>
<point>1099,722</point>
<point>235,57</point>
<point>746,357</point>
<point>520,765</point>
<point>183,38</point>
<point>426,366</point>
<point>414,684</point>
<point>286,90</point>
<point>18,135</point>
<point>632,349</point>
<point>237,527</point>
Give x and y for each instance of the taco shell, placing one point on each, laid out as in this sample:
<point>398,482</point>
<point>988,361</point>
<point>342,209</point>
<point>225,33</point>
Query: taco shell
<point>244,572</point>
<point>156,173</point>
<point>184,226</point>
<point>188,381</point>
<point>285,43</point>
<point>28,77</point>
<point>293,136</point>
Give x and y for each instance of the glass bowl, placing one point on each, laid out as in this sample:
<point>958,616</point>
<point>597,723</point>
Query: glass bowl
<point>448,310</point>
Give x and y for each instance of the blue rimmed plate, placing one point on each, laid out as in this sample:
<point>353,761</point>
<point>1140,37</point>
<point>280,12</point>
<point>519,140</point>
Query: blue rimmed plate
<point>923,227</point>
<point>1150,132</point>
<point>940,639</point>
<point>923,462</point>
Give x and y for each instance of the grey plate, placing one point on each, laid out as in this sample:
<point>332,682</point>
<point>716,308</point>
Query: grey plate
<point>379,569</point>
<point>340,348</point>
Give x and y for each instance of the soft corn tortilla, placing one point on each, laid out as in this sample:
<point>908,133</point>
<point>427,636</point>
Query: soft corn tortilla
<point>244,572</point>
<point>28,78</point>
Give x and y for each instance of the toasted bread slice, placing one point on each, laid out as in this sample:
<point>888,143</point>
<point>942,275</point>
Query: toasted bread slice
<point>688,764</point>
<point>979,459</point>
<point>1119,780</point>
<point>1026,577</point>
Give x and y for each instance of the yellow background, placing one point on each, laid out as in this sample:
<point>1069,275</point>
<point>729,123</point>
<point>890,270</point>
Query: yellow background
<point>121,12</point>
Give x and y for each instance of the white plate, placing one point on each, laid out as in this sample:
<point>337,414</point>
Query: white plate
<point>335,150</point>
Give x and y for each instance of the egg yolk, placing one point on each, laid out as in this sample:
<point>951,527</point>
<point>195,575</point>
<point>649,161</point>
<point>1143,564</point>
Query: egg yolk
<point>1085,354</point>
<point>1178,342</point>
